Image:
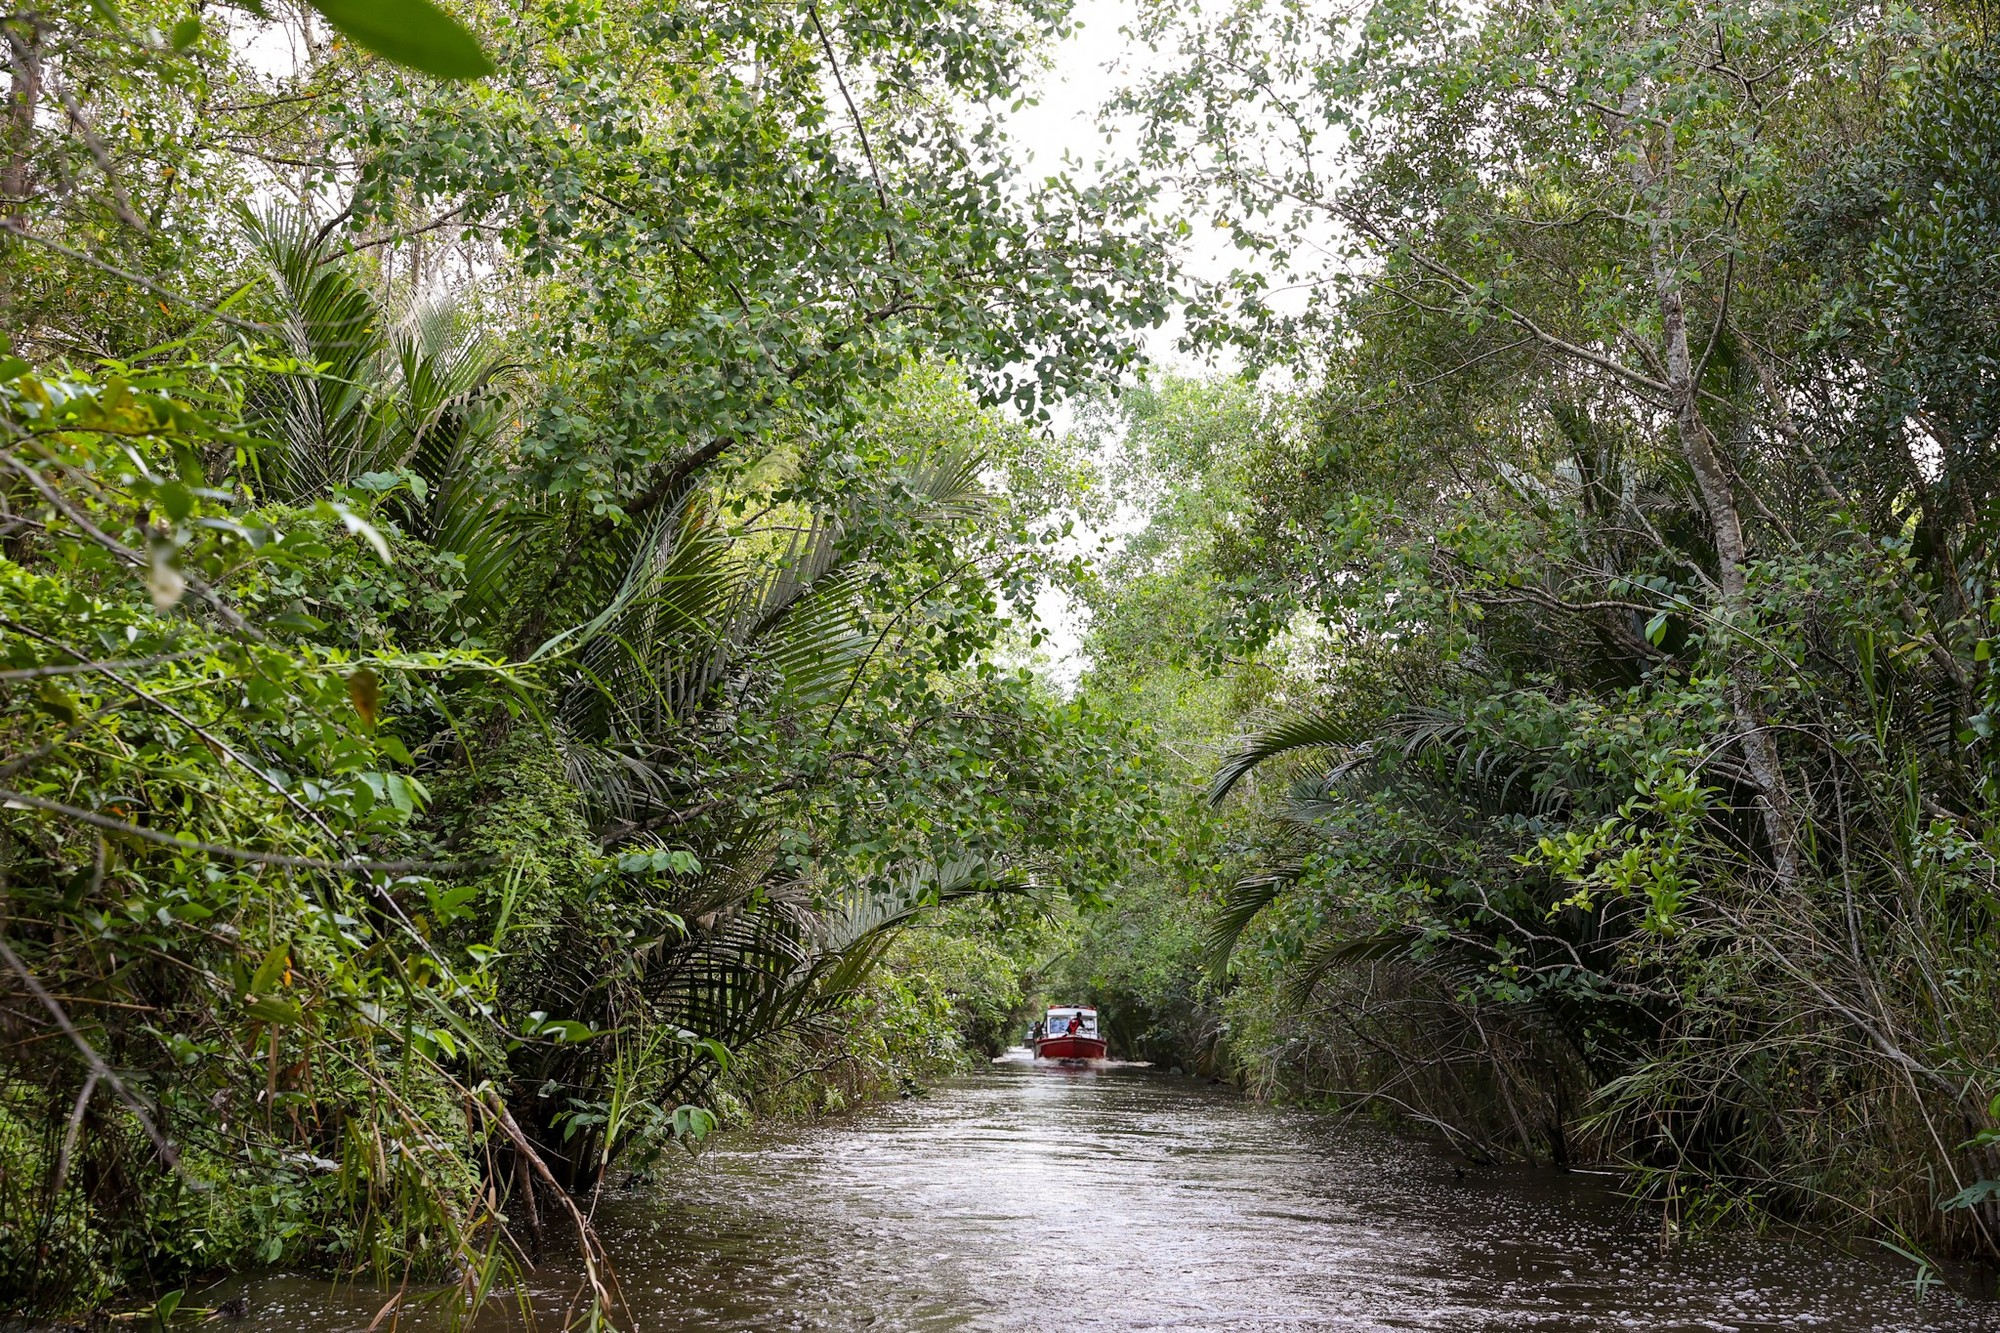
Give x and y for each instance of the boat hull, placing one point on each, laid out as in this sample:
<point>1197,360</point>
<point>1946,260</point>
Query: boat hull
<point>1070,1048</point>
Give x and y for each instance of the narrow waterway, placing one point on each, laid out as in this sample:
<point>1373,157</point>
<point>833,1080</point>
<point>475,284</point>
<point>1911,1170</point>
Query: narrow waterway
<point>1052,1199</point>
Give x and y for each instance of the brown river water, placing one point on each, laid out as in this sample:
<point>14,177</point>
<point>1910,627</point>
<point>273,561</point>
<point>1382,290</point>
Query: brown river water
<point>1035,1197</point>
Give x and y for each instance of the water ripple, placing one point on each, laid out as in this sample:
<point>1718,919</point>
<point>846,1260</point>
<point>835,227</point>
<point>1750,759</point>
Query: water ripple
<point>1041,1199</point>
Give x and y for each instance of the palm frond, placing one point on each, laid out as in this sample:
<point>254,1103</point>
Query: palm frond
<point>1248,897</point>
<point>1332,953</point>
<point>947,483</point>
<point>1314,731</point>
<point>325,423</point>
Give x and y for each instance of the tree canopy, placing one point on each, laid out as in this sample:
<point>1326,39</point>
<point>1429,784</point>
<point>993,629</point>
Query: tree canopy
<point>518,528</point>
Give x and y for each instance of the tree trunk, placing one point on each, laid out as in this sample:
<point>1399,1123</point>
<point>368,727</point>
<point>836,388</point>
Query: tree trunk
<point>24,96</point>
<point>1718,499</point>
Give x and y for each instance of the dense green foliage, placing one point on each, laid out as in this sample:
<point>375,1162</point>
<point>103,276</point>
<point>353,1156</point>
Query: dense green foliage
<point>504,597</point>
<point>1606,608</point>
<point>510,595</point>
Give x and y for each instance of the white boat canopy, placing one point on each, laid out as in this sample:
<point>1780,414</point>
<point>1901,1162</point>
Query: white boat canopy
<point>1060,1014</point>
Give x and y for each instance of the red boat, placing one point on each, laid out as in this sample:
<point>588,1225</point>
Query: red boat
<point>1069,1033</point>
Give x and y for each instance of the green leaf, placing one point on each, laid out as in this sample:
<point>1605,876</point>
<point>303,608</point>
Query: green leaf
<point>177,500</point>
<point>449,904</point>
<point>1978,1192</point>
<point>272,1009</point>
<point>565,1030</point>
<point>271,969</point>
<point>410,32</point>
<point>54,699</point>
<point>693,1122</point>
<point>186,33</point>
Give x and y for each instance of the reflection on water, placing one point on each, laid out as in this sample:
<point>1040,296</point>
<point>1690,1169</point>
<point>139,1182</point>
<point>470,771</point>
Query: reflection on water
<point>1045,1198</point>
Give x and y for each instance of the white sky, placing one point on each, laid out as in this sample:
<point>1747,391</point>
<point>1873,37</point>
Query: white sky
<point>1084,70</point>
<point>1096,61</point>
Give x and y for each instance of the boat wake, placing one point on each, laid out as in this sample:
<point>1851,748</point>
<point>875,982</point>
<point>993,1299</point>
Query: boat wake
<point>1021,1055</point>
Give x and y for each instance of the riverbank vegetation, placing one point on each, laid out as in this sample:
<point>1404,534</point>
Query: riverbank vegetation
<point>1599,614</point>
<point>505,601</point>
<point>516,540</point>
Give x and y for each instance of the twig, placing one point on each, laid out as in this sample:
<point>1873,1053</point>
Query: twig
<point>69,1135</point>
<point>14,228</point>
<point>77,668</point>
<point>104,539</point>
<point>120,201</point>
<point>593,1249</point>
<point>140,831</point>
<point>98,1068</point>
<point>867,150</point>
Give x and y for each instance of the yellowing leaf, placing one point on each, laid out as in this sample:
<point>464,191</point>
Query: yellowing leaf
<point>366,693</point>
